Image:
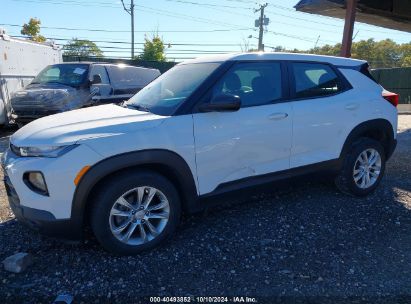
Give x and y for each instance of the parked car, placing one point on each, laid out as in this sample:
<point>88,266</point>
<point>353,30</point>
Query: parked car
<point>206,127</point>
<point>20,61</point>
<point>68,86</point>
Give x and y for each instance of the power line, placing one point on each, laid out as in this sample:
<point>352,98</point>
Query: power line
<point>216,7</point>
<point>329,18</point>
<point>142,43</point>
<point>210,4</point>
<point>112,5</point>
<point>176,15</point>
<point>194,44</point>
<point>127,31</point>
<point>142,8</point>
<point>240,1</point>
<point>78,3</point>
<point>187,17</point>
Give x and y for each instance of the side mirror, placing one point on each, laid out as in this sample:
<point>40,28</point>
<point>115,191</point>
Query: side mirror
<point>222,103</point>
<point>96,79</point>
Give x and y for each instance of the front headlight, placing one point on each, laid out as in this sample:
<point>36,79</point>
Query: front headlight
<point>44,151</point>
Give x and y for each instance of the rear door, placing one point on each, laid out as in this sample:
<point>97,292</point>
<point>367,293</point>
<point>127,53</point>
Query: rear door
<point>252,141</point>
<point>324,112</point>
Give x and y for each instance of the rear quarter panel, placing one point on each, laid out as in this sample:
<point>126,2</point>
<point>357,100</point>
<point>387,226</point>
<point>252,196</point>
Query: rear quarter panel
<point>369,93</point>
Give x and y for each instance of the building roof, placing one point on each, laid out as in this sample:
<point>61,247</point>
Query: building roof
<point>277,56</point>
<point>392,14</point>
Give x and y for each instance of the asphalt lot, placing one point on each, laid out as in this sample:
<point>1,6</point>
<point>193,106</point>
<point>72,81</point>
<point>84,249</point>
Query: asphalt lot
<point>301,242</point>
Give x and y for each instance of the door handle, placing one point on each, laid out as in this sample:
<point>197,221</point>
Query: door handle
<point>352,106</point>
<point>277,116</point>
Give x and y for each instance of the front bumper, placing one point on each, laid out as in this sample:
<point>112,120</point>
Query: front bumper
<point>49,214</point>
<point>40,220</point>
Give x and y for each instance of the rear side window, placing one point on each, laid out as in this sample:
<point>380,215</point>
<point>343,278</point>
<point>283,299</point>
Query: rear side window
<point>315,80</point>
<point>125,77</point>
<point>100,70</point>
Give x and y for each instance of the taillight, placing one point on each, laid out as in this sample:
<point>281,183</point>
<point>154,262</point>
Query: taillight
<point>392,98</point>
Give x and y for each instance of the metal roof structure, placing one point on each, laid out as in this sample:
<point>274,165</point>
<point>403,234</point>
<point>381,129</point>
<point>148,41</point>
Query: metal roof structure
<point>392,14</point>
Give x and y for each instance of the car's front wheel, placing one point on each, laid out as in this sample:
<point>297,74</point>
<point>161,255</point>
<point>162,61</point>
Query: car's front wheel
<point>363,168</point>
<point>134,212</point>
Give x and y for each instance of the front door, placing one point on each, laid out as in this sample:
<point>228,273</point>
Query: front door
<point>252,141</point>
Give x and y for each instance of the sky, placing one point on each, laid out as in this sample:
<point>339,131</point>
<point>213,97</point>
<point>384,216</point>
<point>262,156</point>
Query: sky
<point>189,28</point>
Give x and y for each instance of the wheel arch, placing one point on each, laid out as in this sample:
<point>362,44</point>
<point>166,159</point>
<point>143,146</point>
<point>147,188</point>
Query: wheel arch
<point>165,162</point>
<point>378,129</point>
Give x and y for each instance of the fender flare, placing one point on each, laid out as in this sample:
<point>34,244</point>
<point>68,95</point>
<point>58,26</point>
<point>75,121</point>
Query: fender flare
<point>165,158</point>
<point>369,126</point>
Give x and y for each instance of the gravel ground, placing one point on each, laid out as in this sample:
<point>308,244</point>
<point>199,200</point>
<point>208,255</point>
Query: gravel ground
<point>304,242</point>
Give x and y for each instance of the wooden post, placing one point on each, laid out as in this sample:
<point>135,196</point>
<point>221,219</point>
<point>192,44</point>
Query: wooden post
<point>348,28</point>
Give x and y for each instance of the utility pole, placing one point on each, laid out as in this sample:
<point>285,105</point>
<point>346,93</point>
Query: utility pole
<point>260,23</point>
<point>130,11</point>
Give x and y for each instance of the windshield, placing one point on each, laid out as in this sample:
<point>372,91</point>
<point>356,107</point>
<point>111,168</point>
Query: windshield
<point>67,74</point>
<point>165,94</point>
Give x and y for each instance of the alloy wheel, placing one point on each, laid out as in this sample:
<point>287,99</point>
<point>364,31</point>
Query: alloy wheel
<point>367,168</point>
<point>139,215</point>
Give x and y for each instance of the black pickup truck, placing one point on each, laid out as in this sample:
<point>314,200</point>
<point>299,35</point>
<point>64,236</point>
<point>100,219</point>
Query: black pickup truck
<point>68,86</point>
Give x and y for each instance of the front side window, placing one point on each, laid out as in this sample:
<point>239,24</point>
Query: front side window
<point>67,74</point>
<point>166,93</point>
<point>315,80</point>
<point>256,83</point>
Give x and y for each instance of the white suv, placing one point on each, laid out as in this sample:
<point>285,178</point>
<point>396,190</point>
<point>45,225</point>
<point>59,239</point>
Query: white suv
<point>205,127</point>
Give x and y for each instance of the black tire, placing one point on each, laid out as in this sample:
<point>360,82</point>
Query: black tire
<point>345,180</point>
<point>115,187</point>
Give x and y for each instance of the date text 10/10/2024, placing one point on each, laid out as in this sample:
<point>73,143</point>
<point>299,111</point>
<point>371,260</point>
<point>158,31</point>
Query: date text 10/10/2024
<point>203,300</point>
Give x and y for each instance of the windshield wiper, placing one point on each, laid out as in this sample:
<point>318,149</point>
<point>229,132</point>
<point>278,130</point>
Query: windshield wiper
<point>137,107</point>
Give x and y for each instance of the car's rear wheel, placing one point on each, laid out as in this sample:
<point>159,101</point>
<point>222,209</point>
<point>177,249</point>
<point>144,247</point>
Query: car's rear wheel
<point>134,212</point>
<point>363,168</point>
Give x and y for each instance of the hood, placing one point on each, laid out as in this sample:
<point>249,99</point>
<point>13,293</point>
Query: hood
<point>51,96</point>
<point>84,124</point>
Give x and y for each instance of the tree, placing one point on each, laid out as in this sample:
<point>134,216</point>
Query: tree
<point>154,49</point>
<point>245,45</point>
<point>405,51</point>
<point>32,29</point>
<point>82,48</point>
<point>380,54</point>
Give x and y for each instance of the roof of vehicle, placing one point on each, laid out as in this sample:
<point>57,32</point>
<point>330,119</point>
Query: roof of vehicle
<point>339,61</point>
<point>76,62</point>
<point>106,63</point>
<point>6,37</point>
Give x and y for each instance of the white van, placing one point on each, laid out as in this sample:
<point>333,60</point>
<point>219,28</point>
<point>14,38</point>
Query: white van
<point>20,61</point>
